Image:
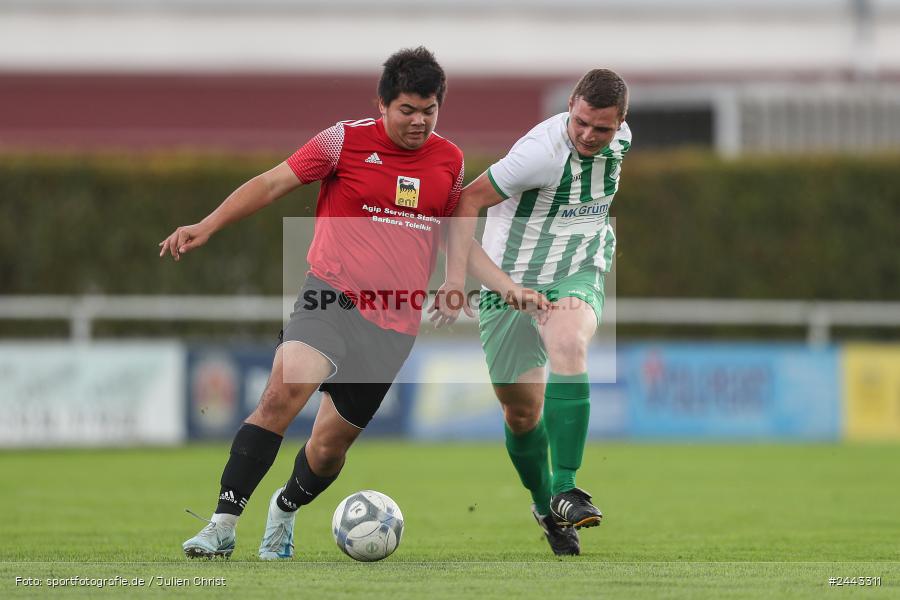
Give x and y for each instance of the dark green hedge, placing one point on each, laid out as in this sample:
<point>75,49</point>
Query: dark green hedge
<point>688,225</point>
<point>695,226</point>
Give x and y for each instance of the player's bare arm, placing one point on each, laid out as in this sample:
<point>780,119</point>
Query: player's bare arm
<point>255,194</point>
<point>476,196</point>
<point>464,255</point>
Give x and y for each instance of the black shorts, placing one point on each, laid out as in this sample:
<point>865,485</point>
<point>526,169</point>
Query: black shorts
<point>366,358</point>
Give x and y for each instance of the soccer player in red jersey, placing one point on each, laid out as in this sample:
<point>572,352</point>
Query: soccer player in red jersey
<point>385,184</point>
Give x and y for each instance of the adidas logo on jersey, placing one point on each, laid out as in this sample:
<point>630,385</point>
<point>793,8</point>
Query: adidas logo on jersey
<point>374,159</point>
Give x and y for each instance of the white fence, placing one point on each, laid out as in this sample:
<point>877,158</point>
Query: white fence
<point>817,317</point>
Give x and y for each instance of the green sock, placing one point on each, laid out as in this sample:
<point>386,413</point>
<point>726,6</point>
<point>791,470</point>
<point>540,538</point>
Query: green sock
<point>567,409</point>
<point>529,454</point>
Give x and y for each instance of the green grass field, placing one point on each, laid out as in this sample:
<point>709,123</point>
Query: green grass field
<point>681,521</point>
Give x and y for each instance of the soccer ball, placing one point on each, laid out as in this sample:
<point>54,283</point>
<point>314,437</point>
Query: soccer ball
<point>367,525</point>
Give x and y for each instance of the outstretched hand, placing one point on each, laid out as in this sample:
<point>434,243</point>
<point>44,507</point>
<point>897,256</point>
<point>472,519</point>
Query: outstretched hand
<point>447,303</point>
<point>183,240</point>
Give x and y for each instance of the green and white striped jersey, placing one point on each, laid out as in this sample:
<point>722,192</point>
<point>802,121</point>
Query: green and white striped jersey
<point>555,219</point>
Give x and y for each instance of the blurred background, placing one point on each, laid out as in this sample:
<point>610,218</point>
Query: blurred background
<point>757,286</point>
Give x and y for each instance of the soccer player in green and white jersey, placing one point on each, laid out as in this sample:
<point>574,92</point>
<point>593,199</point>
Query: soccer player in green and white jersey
<point>548,228</point>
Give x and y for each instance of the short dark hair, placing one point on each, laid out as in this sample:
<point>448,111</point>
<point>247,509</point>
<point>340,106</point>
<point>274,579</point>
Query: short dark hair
<point>602,88</point>
<point>412,70</point>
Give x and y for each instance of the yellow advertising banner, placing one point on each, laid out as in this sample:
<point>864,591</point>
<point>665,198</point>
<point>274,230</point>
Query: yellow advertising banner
<point>871,391</point>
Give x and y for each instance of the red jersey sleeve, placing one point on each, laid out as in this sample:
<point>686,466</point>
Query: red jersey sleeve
<point>456,190</point>
<point>318,158</point>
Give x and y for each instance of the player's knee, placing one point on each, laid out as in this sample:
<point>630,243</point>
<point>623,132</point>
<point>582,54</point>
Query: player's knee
<point>521,419</point>
<point>569,350</point>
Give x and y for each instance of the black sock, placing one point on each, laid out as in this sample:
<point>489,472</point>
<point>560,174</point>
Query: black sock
<point>252,453</point>
<point>303,486</point>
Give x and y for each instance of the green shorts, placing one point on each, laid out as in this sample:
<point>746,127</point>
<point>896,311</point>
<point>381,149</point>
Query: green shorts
<point>510,338</point>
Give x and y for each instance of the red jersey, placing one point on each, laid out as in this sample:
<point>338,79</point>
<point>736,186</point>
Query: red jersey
<point>379,215</point>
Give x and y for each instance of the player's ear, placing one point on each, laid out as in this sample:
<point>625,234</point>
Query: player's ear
<point>571,102</point>
<point>381,107</point>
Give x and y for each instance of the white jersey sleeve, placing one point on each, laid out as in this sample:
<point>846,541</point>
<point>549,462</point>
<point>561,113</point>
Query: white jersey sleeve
<point>529,165</point>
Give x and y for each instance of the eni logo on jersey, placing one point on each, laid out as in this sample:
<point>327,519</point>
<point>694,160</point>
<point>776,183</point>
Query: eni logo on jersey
<point>407,192</point>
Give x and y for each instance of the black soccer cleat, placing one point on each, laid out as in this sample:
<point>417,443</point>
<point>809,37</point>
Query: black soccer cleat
<point>563,540</point>
<point>573,508</point>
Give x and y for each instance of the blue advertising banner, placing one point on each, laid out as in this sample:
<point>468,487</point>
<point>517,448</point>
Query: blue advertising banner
<point>696,391</point>
<point>719,391</point>
<point>731,391</point>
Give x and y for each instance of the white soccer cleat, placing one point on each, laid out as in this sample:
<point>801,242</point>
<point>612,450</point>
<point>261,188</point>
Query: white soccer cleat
<point>216,539</point>
<point>278,540</point>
